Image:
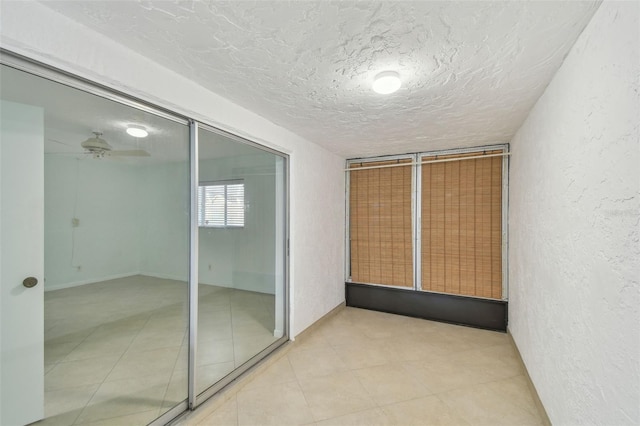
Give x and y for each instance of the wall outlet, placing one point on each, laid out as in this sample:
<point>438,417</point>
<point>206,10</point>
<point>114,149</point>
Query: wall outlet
<point>75,222</point>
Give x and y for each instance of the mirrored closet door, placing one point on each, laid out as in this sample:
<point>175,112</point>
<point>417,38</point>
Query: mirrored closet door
<point>142,277</point>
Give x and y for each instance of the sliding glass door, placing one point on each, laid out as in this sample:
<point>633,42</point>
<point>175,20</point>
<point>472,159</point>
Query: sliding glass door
<point>240,232</point>
<point>147,266</point>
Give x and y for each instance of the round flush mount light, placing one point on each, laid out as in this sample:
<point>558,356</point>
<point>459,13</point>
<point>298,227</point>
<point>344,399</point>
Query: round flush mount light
<point>386,82</point>
<point>137,131</point>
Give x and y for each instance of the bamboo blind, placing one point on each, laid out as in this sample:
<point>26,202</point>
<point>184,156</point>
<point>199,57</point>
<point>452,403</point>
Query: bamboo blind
<point>380,224</point>
<point>462,226</point>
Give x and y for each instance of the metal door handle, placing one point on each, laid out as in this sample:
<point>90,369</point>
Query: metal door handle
<point>30,282</point>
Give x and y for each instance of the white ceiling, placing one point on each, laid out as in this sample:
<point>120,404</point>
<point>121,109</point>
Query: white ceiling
<point>471,71</point>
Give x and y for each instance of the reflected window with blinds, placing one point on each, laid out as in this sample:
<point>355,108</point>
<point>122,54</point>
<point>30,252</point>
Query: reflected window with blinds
<point>221,204</point>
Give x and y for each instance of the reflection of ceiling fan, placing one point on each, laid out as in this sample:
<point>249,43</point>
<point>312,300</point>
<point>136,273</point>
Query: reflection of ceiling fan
<point>99,148</point>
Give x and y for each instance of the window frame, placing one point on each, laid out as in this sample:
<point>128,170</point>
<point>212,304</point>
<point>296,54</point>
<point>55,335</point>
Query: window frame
<point>225,184</point>
<point>417,206</point>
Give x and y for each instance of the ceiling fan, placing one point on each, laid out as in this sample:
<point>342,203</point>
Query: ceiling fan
<point>99,148</point>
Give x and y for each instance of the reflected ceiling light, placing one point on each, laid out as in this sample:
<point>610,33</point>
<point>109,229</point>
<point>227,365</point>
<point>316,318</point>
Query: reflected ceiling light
<point>137,131</point>
<point>386,82</point>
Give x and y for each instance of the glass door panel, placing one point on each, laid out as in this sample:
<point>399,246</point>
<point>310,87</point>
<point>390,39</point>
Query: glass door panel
<point>115,244</point>
<point>241,231</point>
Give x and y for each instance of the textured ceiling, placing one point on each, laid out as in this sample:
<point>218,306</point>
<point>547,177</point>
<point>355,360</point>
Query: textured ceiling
<point>471,71</point>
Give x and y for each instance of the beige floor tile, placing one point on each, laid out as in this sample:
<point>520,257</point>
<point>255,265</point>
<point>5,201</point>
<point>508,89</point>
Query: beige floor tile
<point>64,334</point>
<point>214,331</point>
<point>250,327</point>
<point>225,415</point>
<point>136,419</point>
<point>516,391</point>
<point>422,411</point>
<point>373,417</point>
<point>149,340</point>
<point>384,326</point>
<point>278,372</point>
<point>64,419</point>
<point>307,364</point>
<point>413,348</point>
<point>56,352</point>
<point>337,336</point>
<point>368,354</point>
<point>112,346</point>
<point>124,397</point>
<point>129,324</point>
<point>335,395</point>
<point>496,362</point>
<point>177,389</point>
<point>155,362</point>
<point>491,404</point>
<point>455,339</point>
<point>391,383</point>
<point>310,342</point>
<point>66,401</point>
<point>247,346</point>
<point>215,351</point>
<point>207,375</point>
<point>475,373</point>
<point>279,404</point>
<point>78,373</point>
<point>445,374</point>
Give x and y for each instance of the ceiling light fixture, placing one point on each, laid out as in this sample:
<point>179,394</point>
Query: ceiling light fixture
<point>137,131</point>
<point>386,82</point>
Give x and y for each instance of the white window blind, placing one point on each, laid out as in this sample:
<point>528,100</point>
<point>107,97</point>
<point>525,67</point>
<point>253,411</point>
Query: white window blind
<point>221,204</point>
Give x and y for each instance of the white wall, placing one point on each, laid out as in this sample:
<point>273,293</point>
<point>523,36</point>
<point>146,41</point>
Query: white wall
<point>573,223</point>
<point>316,180</point>
<point>237,258</point>
<point>242,258</point>
<point>103,195</point>
<point>164,224</point>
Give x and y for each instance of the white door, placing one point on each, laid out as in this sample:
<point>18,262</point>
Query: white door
<point>21,256</point>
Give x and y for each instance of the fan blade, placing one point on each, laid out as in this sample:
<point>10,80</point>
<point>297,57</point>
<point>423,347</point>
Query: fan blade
<point>131,153</point>
<point>68,153</point>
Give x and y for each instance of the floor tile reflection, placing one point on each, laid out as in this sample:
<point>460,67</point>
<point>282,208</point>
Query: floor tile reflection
<point>116,351</point>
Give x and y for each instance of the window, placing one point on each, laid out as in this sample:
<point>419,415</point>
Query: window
<point>462,224</point>
<point>221,204</point>
<point>450,235</point>
<point>381,243</point>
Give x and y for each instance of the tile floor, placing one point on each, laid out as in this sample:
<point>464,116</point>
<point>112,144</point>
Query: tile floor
<point>368,368</point>
<point>119,348</point>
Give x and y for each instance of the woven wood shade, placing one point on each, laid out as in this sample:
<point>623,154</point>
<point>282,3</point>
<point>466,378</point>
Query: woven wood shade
<point>380,224</point>
<point>462,226</point>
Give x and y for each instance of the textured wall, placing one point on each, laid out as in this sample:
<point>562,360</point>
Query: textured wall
<point>573,223</point>
<point>317,177</point>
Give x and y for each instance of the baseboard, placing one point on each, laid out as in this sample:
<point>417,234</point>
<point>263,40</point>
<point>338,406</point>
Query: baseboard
<point>163,276</point>
<point>532,388</point>
<point>488,314</point>
<point>61,286</point>
<point>304,333</point>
